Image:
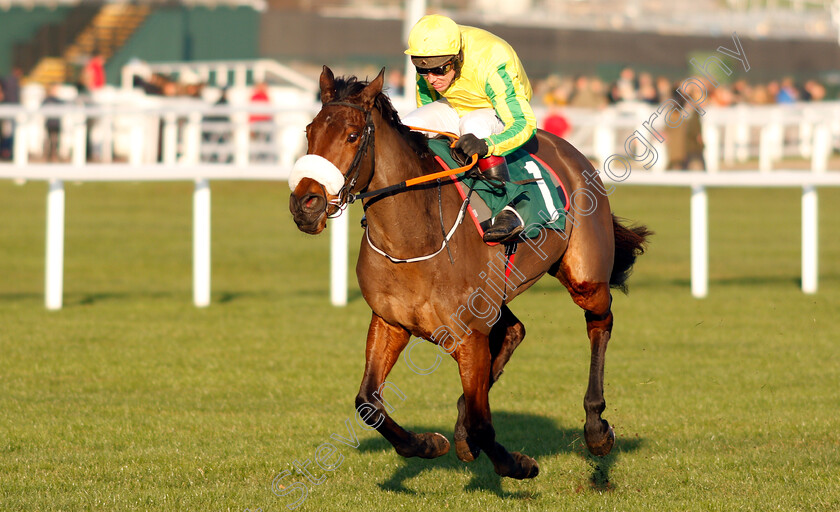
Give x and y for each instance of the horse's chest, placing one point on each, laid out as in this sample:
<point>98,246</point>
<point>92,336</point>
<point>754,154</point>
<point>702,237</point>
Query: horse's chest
<point>412,298</point>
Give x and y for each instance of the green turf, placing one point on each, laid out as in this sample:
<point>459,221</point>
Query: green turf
<point>132,399</point>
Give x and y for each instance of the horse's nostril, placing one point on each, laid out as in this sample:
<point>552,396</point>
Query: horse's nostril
<point>312,202</point>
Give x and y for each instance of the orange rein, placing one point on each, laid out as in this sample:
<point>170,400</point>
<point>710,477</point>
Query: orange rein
<point>441,174</point>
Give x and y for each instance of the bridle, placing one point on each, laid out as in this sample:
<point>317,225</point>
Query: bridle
<point>345,197</point>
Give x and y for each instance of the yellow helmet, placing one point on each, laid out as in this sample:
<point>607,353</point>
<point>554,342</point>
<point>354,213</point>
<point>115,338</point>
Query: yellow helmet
<point>434,35</point>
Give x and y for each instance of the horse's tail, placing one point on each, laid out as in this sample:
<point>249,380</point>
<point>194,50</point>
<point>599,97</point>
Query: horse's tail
<point>630,242</point>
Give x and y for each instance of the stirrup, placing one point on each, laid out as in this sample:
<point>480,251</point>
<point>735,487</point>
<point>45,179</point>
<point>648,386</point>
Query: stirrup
<point>507,226</point>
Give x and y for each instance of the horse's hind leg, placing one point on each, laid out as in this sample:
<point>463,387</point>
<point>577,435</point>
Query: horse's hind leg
<point>597,432</point>
<point>595,300</point>
<point>507,333</point>
<point>385,342</point>
<point>474,365</point>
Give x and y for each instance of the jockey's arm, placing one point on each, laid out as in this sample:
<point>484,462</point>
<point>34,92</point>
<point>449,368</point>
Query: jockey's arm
<point>510,101</point>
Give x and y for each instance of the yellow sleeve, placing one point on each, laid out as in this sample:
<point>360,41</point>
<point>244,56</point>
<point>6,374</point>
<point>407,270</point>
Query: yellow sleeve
<point>509,99</point>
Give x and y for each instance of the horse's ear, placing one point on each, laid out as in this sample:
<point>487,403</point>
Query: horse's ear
<point>373,89</point>
<point>327,83</point>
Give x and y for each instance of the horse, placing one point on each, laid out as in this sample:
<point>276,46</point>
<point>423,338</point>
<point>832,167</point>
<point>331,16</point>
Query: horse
<point>356,143</point>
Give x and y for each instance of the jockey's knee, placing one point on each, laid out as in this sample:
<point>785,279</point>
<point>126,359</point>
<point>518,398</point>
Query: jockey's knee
<point>481,123</point>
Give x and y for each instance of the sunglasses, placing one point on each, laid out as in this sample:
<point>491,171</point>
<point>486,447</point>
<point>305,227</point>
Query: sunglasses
<point>439,71</point>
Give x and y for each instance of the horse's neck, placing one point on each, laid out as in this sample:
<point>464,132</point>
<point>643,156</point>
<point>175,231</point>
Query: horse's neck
<point>408,220</point>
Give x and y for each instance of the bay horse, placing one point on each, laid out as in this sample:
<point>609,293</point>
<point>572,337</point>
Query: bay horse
<point>356,143</point>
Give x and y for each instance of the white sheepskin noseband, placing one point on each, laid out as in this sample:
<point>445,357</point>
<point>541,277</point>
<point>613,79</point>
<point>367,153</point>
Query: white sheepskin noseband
<point>319,169</point>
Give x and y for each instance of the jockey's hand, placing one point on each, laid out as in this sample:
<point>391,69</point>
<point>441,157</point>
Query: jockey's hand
<point>470,145</point>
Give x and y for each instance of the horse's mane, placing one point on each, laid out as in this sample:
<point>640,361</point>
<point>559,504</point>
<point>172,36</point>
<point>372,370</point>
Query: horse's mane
<point>349,87</point>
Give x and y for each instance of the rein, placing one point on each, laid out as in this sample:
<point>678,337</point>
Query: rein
<point>399,187</point>
<point>346,197</point>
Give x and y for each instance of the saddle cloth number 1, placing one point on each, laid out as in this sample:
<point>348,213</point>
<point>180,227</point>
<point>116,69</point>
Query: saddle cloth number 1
<point>534,171</point>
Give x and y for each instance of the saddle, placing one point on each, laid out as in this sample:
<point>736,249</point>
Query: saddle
<point>535,191</point>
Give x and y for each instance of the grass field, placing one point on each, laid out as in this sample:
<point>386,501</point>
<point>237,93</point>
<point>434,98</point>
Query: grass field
<point>132,399</point>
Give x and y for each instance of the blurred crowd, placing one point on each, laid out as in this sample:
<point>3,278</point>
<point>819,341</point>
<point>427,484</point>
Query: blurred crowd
<point>585,91</point>
<point>684,143</point>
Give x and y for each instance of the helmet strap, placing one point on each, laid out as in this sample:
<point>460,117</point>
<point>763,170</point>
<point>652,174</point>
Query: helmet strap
<point>459,62</point>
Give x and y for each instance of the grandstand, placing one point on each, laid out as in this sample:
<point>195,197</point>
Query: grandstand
<point>51,39</point>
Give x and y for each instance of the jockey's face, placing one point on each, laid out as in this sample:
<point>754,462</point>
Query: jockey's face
<point>441,82</point>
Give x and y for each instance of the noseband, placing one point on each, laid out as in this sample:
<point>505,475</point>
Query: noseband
<point>345,195</point>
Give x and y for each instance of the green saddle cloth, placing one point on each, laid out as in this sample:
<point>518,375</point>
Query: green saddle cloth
<point>528,199</point>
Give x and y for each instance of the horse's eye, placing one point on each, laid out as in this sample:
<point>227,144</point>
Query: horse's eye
<point>353,137</point>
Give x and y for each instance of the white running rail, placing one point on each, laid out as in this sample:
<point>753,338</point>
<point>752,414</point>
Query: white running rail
<point>183,144</point>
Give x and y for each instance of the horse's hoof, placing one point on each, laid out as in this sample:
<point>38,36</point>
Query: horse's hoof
<point>465,450</point>
<point>427,446</point>
<point>601,442</point>
<point>521,467</point>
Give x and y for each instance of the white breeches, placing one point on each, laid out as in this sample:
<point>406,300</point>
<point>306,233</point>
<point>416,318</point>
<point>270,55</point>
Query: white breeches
<point>439,115</point>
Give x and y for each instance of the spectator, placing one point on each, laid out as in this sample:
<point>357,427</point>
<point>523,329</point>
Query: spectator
<point>813,91</point>
<point>262,131</point>
<point>664,89</point>
<point>11,96</point>
<point>741,91</point>
<point>614,94</point>
<point>53,126</point>
<point>11,86</point>
<point>260,96</point>
<point>558,95</point>
<point>555,122</point>
<point>647,90</point>
<point>762,95</point>
<point>2,122</point>
<point>584,94</point>
<point>93,75</point>
<point>684,142</point>
<point>787,91</point>
<point>627,86</point>
<point>722,95</point>
<point>217,133</point>
<point>396,83</point>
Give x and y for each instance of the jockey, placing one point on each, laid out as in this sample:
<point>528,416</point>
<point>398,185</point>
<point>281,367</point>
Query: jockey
<point>471,83</point>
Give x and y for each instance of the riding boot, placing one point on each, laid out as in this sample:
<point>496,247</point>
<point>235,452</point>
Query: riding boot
<point>507,224</point>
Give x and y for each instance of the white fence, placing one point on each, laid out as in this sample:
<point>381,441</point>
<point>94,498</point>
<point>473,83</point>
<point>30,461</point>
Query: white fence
<point>738,134</point>
<point>170,142</point>
<point>168,132</point>
<point>141,130</point>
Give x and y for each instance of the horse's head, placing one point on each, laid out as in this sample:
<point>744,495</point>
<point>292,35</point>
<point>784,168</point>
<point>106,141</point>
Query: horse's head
<point>340,141</point>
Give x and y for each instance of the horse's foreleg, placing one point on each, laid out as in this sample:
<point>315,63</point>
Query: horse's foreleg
<point>474,364</point>
<point>597,432</point>
<point>507,333</point>
<point>385,342</point>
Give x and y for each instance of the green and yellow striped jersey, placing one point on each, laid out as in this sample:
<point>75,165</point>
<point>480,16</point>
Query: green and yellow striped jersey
<point>491,77</point>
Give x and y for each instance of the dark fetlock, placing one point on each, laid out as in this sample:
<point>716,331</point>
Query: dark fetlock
<point>465,448</point>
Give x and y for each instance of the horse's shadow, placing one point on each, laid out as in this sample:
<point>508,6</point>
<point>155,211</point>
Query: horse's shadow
<point>533,435</point>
